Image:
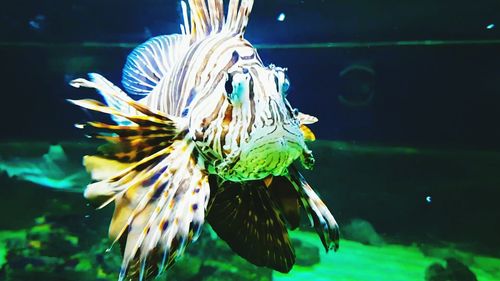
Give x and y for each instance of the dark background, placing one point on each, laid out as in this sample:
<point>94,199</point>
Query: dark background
<point>432,96</point>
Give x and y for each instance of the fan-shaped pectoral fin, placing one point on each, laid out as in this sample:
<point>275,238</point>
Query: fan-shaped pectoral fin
<point>159,209</point>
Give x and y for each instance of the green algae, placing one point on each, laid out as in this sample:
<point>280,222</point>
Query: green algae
<point>4,237</point>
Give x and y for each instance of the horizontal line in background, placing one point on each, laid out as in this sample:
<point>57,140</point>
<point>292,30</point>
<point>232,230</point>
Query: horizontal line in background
<point>324,45</point>
<point>8,147</point>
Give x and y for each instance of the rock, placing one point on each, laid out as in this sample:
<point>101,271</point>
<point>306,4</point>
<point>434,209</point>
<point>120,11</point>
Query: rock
<point>306,254</point>
<point>455,270</point>
<point>436,272</point>
<point>362,231</point>
<point>51,251</point>
<point>459,271</point>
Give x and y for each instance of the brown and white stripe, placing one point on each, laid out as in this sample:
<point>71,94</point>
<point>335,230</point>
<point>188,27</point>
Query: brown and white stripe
<point>211,109</point>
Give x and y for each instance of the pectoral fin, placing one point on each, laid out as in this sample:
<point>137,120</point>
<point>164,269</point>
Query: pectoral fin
<point>319,215</point>
<point>149,171</point>
<point>306,119</point>
<point>286,198</point>
<point>159,209</point>
<point>245,216</point>
<point>308,134</point>
<point>165,218</point>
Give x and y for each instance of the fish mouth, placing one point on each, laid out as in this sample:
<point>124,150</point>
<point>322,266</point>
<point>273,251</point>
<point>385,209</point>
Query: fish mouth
<point>264,158</point>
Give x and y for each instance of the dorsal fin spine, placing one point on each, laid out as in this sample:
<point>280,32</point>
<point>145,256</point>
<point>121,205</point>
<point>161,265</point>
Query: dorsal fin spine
<point>154,59</point>
<point>207,17</point>
<point>232,13</point>
<point>211,16</point>
<point>185,17</point>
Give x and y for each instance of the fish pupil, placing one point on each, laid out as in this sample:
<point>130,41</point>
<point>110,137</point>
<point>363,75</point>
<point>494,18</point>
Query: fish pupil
<point>276,81</point>
<point>286,84</point>
<point>229,84</point>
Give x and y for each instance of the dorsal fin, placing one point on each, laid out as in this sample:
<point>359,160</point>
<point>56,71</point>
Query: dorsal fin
<point>149,62</point>
<point>207,17</point>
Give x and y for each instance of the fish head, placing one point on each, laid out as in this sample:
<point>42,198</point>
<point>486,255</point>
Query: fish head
<point>272,139</point>
<point>248,130</point>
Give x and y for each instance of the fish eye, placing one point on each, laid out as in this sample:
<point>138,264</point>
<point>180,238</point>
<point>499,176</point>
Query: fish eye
<point>277,83</point>
<point>282,83</point>
<point>229,84</point>
<point>286,85</point>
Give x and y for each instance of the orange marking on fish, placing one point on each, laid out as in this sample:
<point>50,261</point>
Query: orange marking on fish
<point>308,134</point>
<point>268,181</point>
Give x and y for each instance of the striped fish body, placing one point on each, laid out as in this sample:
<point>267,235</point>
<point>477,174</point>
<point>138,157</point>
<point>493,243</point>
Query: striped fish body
<point>247,131</point>
<point>213,138</point>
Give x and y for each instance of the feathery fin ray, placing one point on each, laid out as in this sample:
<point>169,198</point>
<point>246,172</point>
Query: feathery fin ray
<point>205,20</point>
<point>166,218</point>
<point>319,215</point>
<point>148,166</point>
<point>247,218</point>
<point>151,61</point>
<point>159,191</point>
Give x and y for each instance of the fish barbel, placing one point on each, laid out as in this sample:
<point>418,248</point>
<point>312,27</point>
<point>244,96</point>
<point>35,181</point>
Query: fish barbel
<point>212,137</point>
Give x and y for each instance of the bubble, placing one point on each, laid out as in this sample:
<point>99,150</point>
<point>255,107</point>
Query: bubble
<point>37,23</point>
<point>281,17</point>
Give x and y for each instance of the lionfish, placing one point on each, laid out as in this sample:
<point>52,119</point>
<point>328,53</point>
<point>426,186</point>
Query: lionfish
<point>213,138</point>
